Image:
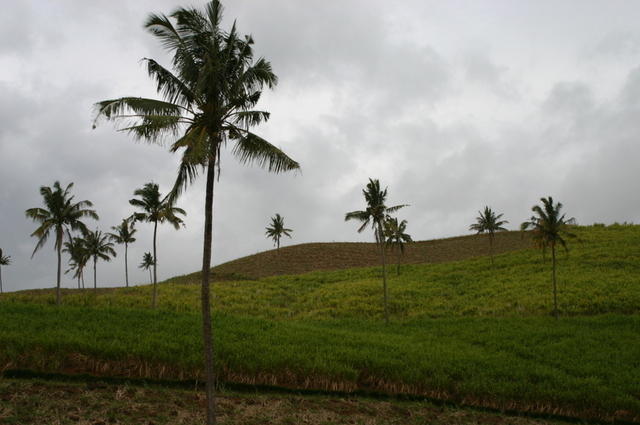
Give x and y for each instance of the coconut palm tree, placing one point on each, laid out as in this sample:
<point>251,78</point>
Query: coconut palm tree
<point>147,263</point>
<point>156,209</point>
<point>5,260</point>
<point>488,222</point>
<point>396,237</point>
<point>549,228</point>
<point>276,230</point>
<point>375,215</point>
<point>209,96</point>
<point>78,258</point>
<point>60,215</point>
<point>98,246</point>
<point>123,234</point>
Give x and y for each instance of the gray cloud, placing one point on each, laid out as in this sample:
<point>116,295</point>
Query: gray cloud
<point>450,110</point>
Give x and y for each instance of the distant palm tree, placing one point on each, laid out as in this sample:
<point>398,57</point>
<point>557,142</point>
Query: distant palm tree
<point>60,215</point>
<point>98,246</point>
<point>375,214</point>
<point>124,235</point>
<point>78,258</point>
<point>276,230</point>
<point>156,210</point>
<point>5,260</point>
<point>488,222</point>
<point>208,101</point>
<point>548,229</point>
<point>396,237</point>
<point>147,263</point>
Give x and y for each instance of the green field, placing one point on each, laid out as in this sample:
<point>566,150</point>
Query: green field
<point>460,331</point>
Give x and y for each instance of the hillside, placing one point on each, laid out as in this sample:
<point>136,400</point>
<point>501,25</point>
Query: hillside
<point>308,257</point>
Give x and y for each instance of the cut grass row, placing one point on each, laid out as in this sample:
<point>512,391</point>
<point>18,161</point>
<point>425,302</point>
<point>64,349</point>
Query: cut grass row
<point>579,366</point>
<point>600,275</point>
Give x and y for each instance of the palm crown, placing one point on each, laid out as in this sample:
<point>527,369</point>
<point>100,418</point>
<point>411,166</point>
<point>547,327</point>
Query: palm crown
<point>548,225</point>
<point>79,257</point>
<point>276,229</point>
<point>376,211</point>
<point>155,208</point>
<point>123,233</point>
<point>147,261</point>
<point>488,222</point>
<point>5,260</point>
<point>395,233</point>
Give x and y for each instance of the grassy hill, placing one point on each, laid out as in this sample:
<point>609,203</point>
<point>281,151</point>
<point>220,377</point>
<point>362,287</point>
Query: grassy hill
<point>460,331</point>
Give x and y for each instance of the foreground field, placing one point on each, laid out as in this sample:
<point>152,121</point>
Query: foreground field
<point>27,402</point>
<point>584,367</point>
<point>461,331</point>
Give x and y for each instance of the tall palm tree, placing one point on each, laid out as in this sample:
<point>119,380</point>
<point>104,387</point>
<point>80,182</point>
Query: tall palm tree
<point>79,258</point>
<point>488,222</point>
<point>396,237</point>
<point>209,97</point>
<point>156,209</point>
<point>375,214</point>
<point>60,215</point>
<point>276,230</point>
<point>123,234</point>
<point>549,228</point>
<point>147,263</point>
<point>5,260</point>
<point>98,246</point>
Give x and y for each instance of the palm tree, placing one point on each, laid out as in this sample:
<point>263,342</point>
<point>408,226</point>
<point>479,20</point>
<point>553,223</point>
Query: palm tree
<point>488,222</point>
<point>98,246</point>
<point>124,235</point>
<point>208,100</point>
<point>60,215</point>
<point>79,258</point>
<point>5,260</point>
<point>548,228</point>
<point>396,237</point>
<point>156,210</point>
<point>375,214</point>
<point>147,262</point>
<point>276,230</point>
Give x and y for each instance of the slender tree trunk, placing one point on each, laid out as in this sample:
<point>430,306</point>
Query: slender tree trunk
<point>95,280</point>
<point>59,241</point>
<point>78,281</point>
<point>205,294</point>
<point>398,265</point>
<point>82,274</point>
<point>555,291</point>
<point>0,279</point>
<point>126,266</point>
<point>155,263</point>
<point>384,275</point>
<point>491,248</point>
<point>150,277</point>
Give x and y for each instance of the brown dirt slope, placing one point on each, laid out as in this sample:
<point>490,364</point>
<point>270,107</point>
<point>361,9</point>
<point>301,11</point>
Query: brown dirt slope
<point>310,257</point>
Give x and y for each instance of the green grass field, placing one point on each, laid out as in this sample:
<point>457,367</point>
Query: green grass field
<point>460,331</point>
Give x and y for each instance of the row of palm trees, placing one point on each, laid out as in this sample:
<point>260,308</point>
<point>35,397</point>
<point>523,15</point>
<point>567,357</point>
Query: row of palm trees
<point>548,226</point>
<point>61,216</point>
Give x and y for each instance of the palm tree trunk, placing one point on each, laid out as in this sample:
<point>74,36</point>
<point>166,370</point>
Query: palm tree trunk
<point>82,274</point>
<point>78,281</point>
<point>59,242</point>
<point>205,294</point>
<point>398,265</point>
<point>126,266</point>
<point>0,279</point>
<point>555,292</point>
<point>491,248</point>
<point>384,274</point>
<point>150,277</point>
<point>95,281</point>
<point>155,263</point>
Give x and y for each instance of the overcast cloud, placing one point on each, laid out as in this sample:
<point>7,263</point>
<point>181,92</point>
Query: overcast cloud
<point>452,105</point>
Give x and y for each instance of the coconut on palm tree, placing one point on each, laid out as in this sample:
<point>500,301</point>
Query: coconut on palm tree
<point>488,222</point>
<point>123,234</point>
<point>276,230</point>
<point>60,215</point>
<point>375,215</point>
<point>155,209</point>
<point>147,263</point>
<point>208,100</point>
<point>98,246</point>
<point>5,260</point>
<point>548,230</point>
<point>79,258</point>
<point>396,237</point>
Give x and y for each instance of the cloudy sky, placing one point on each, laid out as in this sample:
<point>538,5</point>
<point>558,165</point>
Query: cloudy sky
<point>452,105</point>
